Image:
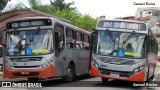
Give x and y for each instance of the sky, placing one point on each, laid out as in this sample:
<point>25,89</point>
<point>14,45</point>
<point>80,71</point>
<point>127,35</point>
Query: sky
<point>109,8</point>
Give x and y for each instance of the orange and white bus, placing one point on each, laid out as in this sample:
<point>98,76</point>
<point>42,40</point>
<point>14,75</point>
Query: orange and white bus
<point>45,47</point>
<point>123,50</point>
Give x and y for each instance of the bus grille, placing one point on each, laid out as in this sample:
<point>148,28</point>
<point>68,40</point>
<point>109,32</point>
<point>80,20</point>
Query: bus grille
<point>117,61</point>
<point>30,74</point>
<point>25,66</point>
<point>27,59</point>
<point>121,73</point>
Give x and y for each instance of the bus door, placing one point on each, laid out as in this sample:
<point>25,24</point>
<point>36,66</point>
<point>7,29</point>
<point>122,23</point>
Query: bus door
<point>59,49</point>
<point>86,53</point>
<point>79,47</point>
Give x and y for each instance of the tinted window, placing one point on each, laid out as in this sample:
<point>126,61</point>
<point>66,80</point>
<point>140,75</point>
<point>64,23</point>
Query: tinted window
<point>70,38</point>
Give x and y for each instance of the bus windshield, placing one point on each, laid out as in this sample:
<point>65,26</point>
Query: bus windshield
<point>30,42</point>
<point>121,44</point>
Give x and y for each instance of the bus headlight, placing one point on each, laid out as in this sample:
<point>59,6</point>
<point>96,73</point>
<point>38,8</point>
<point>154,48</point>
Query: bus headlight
<point>45,64</point>
<point>141,68</point>
<point>95,64</point>
<point>138,69</point>
<point>9,65</point>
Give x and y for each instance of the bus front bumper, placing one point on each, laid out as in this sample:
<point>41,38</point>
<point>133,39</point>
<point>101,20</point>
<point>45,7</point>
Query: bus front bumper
<point>46,72</point>
<point>138,77</point>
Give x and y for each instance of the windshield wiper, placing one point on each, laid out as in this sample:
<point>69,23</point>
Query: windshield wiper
<point>133,32</point>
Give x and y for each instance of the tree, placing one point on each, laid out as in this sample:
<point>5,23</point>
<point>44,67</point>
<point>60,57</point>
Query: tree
<point>61,5</point>
<point>83,21</point>
<point>34,3</point>
<point>3,4</point>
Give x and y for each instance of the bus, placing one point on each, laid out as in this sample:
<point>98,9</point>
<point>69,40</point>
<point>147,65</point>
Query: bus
<point>123,50</point>
<point>44,48</point>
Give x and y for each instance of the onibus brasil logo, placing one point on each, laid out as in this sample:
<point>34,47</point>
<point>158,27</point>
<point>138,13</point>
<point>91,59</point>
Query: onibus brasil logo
<point>14,84</point>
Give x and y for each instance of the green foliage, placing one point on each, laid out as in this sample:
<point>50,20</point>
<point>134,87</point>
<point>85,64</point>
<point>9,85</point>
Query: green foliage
<point>33,3</point>
<point>61,5</point>
<point>88,22</point>
<point>83,21</point>
<point>3,4</point>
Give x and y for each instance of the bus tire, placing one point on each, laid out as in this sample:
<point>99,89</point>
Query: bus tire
<point>152,77</point>
<point>70,74</point>
<point>33,79</point>
<point>104,80</point>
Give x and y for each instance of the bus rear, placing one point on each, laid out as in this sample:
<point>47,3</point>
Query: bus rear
<point>120,50</point>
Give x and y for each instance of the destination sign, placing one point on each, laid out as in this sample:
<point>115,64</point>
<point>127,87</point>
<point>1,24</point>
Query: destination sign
<point>122,25</point>
<point>28,23</point>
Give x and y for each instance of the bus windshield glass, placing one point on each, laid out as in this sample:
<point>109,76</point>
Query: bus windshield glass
<point>30,42</point>
<point>121,44</point>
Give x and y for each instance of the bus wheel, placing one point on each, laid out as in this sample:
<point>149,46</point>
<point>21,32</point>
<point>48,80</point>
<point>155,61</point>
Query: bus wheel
<point>70,74</point>
<point>33,79</point>
<point>105,80</point>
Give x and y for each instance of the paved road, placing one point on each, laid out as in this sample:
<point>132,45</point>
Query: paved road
<point>91,83</point>
<point>85,84</point>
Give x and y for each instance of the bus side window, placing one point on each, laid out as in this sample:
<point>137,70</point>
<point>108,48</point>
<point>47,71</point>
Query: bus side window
<point>86,42</point>
<point>79,44</point>
<point>70,38</point>
<point>59,38</point>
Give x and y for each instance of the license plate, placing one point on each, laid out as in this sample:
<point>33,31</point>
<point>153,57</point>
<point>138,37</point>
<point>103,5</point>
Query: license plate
<point>24,73</point>
<point>114,74</point>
